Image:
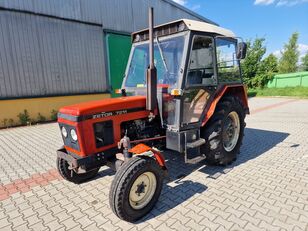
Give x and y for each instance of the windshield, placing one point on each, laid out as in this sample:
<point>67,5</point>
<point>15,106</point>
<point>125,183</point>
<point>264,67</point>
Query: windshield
<point>168,54</point>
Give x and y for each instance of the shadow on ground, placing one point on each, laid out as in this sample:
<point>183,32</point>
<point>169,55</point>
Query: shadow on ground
<point>255,143</point>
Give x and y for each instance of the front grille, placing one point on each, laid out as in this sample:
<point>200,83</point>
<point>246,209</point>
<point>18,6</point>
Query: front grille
<point>68,141</point>
<point>103,132</point>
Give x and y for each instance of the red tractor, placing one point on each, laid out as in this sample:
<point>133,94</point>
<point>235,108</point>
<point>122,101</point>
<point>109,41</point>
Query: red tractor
<point>182,90</point>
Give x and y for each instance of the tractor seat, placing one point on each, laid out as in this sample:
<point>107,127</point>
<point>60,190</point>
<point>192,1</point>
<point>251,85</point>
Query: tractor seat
<point>200,76</point>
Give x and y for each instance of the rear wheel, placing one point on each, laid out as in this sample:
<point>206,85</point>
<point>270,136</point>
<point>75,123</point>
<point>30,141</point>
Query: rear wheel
<point>224,132</point>
<point>136,188</point>
<point>72,176</point>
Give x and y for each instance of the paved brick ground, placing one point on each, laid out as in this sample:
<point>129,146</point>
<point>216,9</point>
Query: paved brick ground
<point>265,189</point>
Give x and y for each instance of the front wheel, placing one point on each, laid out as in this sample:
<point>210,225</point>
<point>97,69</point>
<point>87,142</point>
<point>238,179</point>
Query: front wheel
<point>136,188</point>
<point>72,176</point>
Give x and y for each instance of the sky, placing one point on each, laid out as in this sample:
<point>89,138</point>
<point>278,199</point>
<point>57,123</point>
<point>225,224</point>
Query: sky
<point>275,20</point>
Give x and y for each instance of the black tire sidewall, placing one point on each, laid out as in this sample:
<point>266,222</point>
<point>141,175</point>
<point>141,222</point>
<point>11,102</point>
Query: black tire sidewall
<point>129,174</point>
<point>229,156</point>
<point>63,170</point>
<point>213,132</point>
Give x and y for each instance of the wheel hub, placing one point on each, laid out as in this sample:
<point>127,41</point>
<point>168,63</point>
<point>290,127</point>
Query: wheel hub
<point>142,190</point>
<point>231,131</point>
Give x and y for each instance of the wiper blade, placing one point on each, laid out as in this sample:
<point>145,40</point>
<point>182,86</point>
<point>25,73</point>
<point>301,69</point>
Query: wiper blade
<point>161,54</point>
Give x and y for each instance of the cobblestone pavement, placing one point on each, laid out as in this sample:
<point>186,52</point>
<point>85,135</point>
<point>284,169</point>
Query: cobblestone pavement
<point>265,189</point>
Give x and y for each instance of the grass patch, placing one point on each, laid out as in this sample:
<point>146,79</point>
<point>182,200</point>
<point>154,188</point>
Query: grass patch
<point>301,92</point>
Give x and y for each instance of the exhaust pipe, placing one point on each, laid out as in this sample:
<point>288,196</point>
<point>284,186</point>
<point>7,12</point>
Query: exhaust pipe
<point>151,78</point>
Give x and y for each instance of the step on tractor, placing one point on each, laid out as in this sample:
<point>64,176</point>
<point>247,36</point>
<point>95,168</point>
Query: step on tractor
<point>182,91</point>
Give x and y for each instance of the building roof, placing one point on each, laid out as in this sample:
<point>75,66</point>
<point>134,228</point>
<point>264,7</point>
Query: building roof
<point>117,15</point>
<point>200,17</point>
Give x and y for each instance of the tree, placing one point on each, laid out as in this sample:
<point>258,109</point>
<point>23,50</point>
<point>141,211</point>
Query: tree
<point>290,55</point>
<point>270,63</point>
<point>250,65</point>
<point>305,62</point>
<point>267,69</point>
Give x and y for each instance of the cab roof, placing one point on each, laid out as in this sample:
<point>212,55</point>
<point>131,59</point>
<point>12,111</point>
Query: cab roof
<point>207,27</point>
<point>193,25</point>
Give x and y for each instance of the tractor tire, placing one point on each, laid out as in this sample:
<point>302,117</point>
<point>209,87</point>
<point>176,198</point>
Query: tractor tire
<point>224,132</point>
<point>65,172</point>
<point>136,188</point>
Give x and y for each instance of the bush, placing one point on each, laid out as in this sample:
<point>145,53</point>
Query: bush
<point>54,115</point>
<point>24,117</point>
<point>10,122</point>
<point>261,80</point>
<point>7,123</point>
<point>41,118</point>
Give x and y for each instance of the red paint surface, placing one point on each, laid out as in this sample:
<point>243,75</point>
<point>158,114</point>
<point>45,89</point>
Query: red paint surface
<point>238,90</point>
<point>85,130</point>
<point>104,105</point>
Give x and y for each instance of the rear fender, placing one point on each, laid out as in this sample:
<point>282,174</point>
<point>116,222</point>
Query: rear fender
<point>239,91</point>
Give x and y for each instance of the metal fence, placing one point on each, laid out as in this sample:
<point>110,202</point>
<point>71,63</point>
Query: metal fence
<point>289,80</point>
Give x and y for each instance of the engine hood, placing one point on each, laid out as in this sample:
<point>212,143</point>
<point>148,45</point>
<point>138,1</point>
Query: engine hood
<point>104,105</point>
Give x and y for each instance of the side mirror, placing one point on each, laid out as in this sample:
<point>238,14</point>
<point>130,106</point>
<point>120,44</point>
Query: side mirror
<point>241,50</point>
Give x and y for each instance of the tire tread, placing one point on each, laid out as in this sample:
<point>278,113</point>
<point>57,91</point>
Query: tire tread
<point>63,170</point>
<point>122,181</point>
<point>213,132</point>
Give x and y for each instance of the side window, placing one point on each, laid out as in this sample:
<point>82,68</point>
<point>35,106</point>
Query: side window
<point>227,64</point>
<point>200,69</point>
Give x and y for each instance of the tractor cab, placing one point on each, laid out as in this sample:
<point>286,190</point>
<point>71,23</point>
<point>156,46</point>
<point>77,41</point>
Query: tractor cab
<point>192,59</point>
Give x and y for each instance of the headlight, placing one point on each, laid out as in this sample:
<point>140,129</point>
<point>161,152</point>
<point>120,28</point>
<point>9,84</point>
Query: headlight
<point>64,132</point>
<point>74,135</point>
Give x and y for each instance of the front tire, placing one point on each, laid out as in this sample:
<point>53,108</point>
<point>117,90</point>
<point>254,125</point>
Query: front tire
<point>72,176</point>
<point>136,188</point>
<point>224,132</point>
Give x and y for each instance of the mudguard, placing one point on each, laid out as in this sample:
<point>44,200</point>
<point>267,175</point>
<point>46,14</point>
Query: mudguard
<point>238,90</point>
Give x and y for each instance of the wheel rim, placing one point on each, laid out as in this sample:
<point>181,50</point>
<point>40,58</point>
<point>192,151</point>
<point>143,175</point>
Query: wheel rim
<point>231,131</point>
<point>142,190</point>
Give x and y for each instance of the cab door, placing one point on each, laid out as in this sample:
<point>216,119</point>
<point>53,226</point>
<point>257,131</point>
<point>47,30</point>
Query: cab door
<point>201,74</point>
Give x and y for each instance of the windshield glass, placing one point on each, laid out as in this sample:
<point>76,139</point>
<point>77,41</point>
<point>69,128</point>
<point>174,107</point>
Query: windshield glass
<point>168,54</point>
